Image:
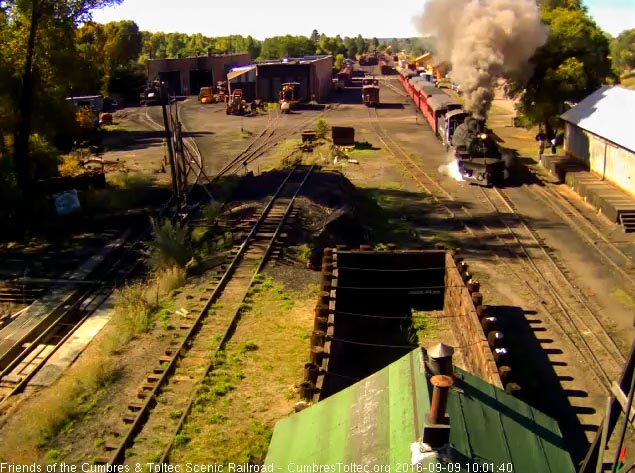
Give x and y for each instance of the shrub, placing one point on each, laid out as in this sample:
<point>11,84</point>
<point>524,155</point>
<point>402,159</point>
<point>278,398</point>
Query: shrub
<point>133,311</point>
<point>170,246</point>
<point>44,157</point>
<point>321,128</point>
<point>70,165</point>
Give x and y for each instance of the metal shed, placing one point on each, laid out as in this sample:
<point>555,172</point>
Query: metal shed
<point>375,422</point>
<point>600,131</point>
<point>313,73</point>
<point>186,76</point>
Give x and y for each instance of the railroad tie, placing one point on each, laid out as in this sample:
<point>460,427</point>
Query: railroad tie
<point>135,407</point>
<point>165,359</point>
<point>129,419</point>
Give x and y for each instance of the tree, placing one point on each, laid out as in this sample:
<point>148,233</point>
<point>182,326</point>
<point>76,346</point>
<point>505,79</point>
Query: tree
<point>339,62</point>
<point>566,4</point>
<point>315,36</point>
<point>56,15</point>
<point>123,43</point>
<point>361,44</point>
<point>573,63</point>
<point>623,51</point>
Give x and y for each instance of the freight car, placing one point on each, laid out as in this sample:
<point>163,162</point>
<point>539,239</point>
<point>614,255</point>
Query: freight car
<point>370,92</point>
<point>479,158</point>
<point>344,77</point>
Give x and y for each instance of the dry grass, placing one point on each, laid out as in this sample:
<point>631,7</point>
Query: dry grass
<point>75,393</point>
<point>136,305</point>
<point>169,246</point>
<point>237,408</point>
<point>57,408</point>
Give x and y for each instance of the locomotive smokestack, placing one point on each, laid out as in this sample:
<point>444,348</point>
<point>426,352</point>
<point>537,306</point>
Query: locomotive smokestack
<point>484,39</point>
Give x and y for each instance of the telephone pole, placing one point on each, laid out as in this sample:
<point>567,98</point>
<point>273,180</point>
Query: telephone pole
<point>163,95</point>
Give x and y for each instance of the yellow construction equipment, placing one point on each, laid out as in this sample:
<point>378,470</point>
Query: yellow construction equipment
<point>206,95</point>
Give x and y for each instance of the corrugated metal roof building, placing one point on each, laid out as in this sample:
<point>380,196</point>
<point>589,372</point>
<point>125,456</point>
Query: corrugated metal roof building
<point>187,75</point>
<point>376,424</point>
<point>600,130</point>
<point>264,79</point>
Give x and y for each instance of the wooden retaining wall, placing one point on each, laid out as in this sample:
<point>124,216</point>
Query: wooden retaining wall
<point>464,307</point>
<point>462,303</point>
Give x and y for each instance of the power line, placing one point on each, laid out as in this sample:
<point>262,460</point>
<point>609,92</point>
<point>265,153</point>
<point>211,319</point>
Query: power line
<point>403,347</point>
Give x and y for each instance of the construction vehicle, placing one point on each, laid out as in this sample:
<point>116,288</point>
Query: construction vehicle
<point>221,86</point>
<point>206,95</point>
<point>288,96</point>
<point>236,104</point>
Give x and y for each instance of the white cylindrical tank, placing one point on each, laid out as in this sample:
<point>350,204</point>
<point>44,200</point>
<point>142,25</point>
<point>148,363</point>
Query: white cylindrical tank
<point>284,107</point>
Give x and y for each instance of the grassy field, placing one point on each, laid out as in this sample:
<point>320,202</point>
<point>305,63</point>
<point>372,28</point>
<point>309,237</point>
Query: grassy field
<point>253,385</point>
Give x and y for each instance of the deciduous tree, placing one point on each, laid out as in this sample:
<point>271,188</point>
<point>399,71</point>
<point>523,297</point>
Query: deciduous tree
<point>623,51</point>
<point>572,64</point>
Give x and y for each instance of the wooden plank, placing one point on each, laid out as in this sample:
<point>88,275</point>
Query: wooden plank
<point>621,398</point>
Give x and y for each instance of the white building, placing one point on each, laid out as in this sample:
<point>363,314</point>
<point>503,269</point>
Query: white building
<point>600,130</point>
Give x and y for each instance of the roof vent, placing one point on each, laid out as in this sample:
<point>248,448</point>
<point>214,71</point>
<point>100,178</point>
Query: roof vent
<point>436,425</point>
<point>440,359</point>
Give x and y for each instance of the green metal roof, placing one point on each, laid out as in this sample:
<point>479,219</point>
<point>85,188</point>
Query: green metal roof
<point>375,421</point>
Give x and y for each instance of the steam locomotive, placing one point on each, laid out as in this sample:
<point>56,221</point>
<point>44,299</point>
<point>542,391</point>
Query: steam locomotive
<point>478,155</point>
<point>479,158</point>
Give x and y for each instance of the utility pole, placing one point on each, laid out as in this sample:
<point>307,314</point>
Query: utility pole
<point>168,136</point>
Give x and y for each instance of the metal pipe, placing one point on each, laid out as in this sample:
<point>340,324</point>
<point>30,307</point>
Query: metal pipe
<point>441,384</point>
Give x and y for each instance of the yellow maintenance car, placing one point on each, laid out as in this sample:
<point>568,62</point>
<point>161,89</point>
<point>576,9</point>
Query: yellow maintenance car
<point>206,95</point>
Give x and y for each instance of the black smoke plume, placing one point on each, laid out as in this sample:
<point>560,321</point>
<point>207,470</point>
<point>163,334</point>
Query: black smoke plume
<point>484,39</point>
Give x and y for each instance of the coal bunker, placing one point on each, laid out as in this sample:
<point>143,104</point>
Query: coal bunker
<point>376,293</point>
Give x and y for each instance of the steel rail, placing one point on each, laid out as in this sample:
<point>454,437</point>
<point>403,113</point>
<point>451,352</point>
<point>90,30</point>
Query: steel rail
<point>575,292</point>
<point>431,182</point>
<point>572,216</point>
<point>87,294</point>
<point>163,374</point>
<point>235,318</point>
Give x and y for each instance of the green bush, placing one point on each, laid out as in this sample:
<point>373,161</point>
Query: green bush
<point>44,157</point>
<point>170,246</point>
<point>321,128</point>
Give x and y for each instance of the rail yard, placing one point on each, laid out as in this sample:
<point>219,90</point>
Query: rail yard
<point>210,378</point>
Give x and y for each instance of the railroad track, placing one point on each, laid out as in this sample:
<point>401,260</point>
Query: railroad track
<point>269,137</point>
<point>621,264</point>
<point>150,424</point>
<point>21,362</point>
<point>399,90</point>
<point>569,308</point>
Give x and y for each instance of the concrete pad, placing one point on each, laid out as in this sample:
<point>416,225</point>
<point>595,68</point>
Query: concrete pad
<point>74,346</point>
<point>43,312</point>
